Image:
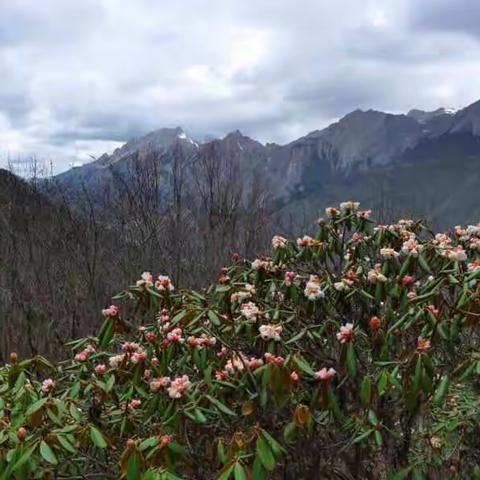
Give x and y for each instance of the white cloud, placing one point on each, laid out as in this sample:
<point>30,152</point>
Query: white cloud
<point>80,76</point>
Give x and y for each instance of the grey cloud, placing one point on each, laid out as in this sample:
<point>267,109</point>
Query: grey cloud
<point>459,15</point>
<point>81,75</point>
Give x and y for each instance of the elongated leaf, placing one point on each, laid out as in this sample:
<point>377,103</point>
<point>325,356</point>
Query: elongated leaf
<point>34,407</point>
<point>239,472</point>
<point>47,453</point>
<point>97,438</point>
<point>265,454</point>
<point>222,407</point>
<point>441,391</point>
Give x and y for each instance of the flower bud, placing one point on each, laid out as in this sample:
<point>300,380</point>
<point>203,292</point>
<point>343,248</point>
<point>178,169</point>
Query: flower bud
<point>22,434</point>
<point>13,357</point>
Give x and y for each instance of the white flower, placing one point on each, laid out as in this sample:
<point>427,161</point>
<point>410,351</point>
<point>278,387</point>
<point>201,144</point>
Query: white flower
<point>305,241</point>
<point>239,297</point>
<point>313,290</point>
<point>352,206</point>
<point>331,212</point>
<point>343,286</point>
<point>116,360</point>
<point>146,280</point>
<point>278,242</point>
<point>270,332</point>
<point>388,253</point>
<point>250,311</point>
<point>411,247</point>
<point>458,254</point>
<point>375,276</point>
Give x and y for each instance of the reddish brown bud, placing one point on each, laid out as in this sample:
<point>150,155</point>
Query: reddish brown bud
<point>22,434</point>
<point>375,323</point>
<point>13,357</point>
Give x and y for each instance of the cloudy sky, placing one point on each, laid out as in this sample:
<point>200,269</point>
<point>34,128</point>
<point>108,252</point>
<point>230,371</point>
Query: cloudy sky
<point>78,77</point>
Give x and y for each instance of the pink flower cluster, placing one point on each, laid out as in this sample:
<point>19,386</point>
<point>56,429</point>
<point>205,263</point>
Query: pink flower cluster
<point>201,342</point>
<point>111,311</point>
<point>48,385</point>
<point>346,333</point>
<point>84,355</point>
<point>325,375</point>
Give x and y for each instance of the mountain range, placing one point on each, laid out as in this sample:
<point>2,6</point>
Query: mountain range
<point>425,163</point>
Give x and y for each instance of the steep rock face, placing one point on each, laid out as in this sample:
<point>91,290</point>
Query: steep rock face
<point>339,158</point>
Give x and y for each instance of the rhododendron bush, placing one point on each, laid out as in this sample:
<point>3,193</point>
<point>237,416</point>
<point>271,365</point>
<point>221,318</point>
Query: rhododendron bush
<point>350,354</point>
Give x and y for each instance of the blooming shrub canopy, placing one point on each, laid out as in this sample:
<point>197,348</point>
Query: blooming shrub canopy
<point>353,353</point>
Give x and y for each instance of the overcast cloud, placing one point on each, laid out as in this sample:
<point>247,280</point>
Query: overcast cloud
<point>77,77</point>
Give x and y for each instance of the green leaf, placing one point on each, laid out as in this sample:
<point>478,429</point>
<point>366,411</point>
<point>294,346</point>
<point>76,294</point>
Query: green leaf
<point>274,445</point>
<point>239,472</point>
<point>303,365</point>
<point>362,436</point>
<point>34,407</point>
<point>366,391</point>
<point>226,472</point>
<point>441,391</point>
<point>133,467</point>
<point>378,438</point>
<point>223,408</point>
<point>372,417</point>
<point>258,471</point>
<point>47,453</point>
<point>24,457</point>
<point>265,454</point>
<point>214,318</point>
<point>148,443</point>
<point>351,360</point>
<point>97,437</point>
<point>66,444</point>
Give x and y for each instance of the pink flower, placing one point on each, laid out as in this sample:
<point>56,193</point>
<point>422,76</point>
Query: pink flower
<point>221,374</point>
<point>164,283</point>
<point>158,383</point>
<point>48,385</point>
<point>408,281</point>
<point>151,337</point>
<point>325,375</point>
<point>253,363</point>
<point>100,369</point>
<point>111,311</point>
<point>139,356</point>
<point>130,347</point>
<point>278,242</point>
<point>165,440</point>
<point>164,316</point>
<point>135,404</point>
<point>295,377</point>
<point>270,358</point>
<point>175,336</point>
<point>81,357</point>
<point>346,333</point>
<point>236,257</point>
<point>423,345</point>
<point>289,278</point>
<point>179,386</point>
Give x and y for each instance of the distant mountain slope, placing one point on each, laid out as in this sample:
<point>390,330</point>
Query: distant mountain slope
<point>342,156</point>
